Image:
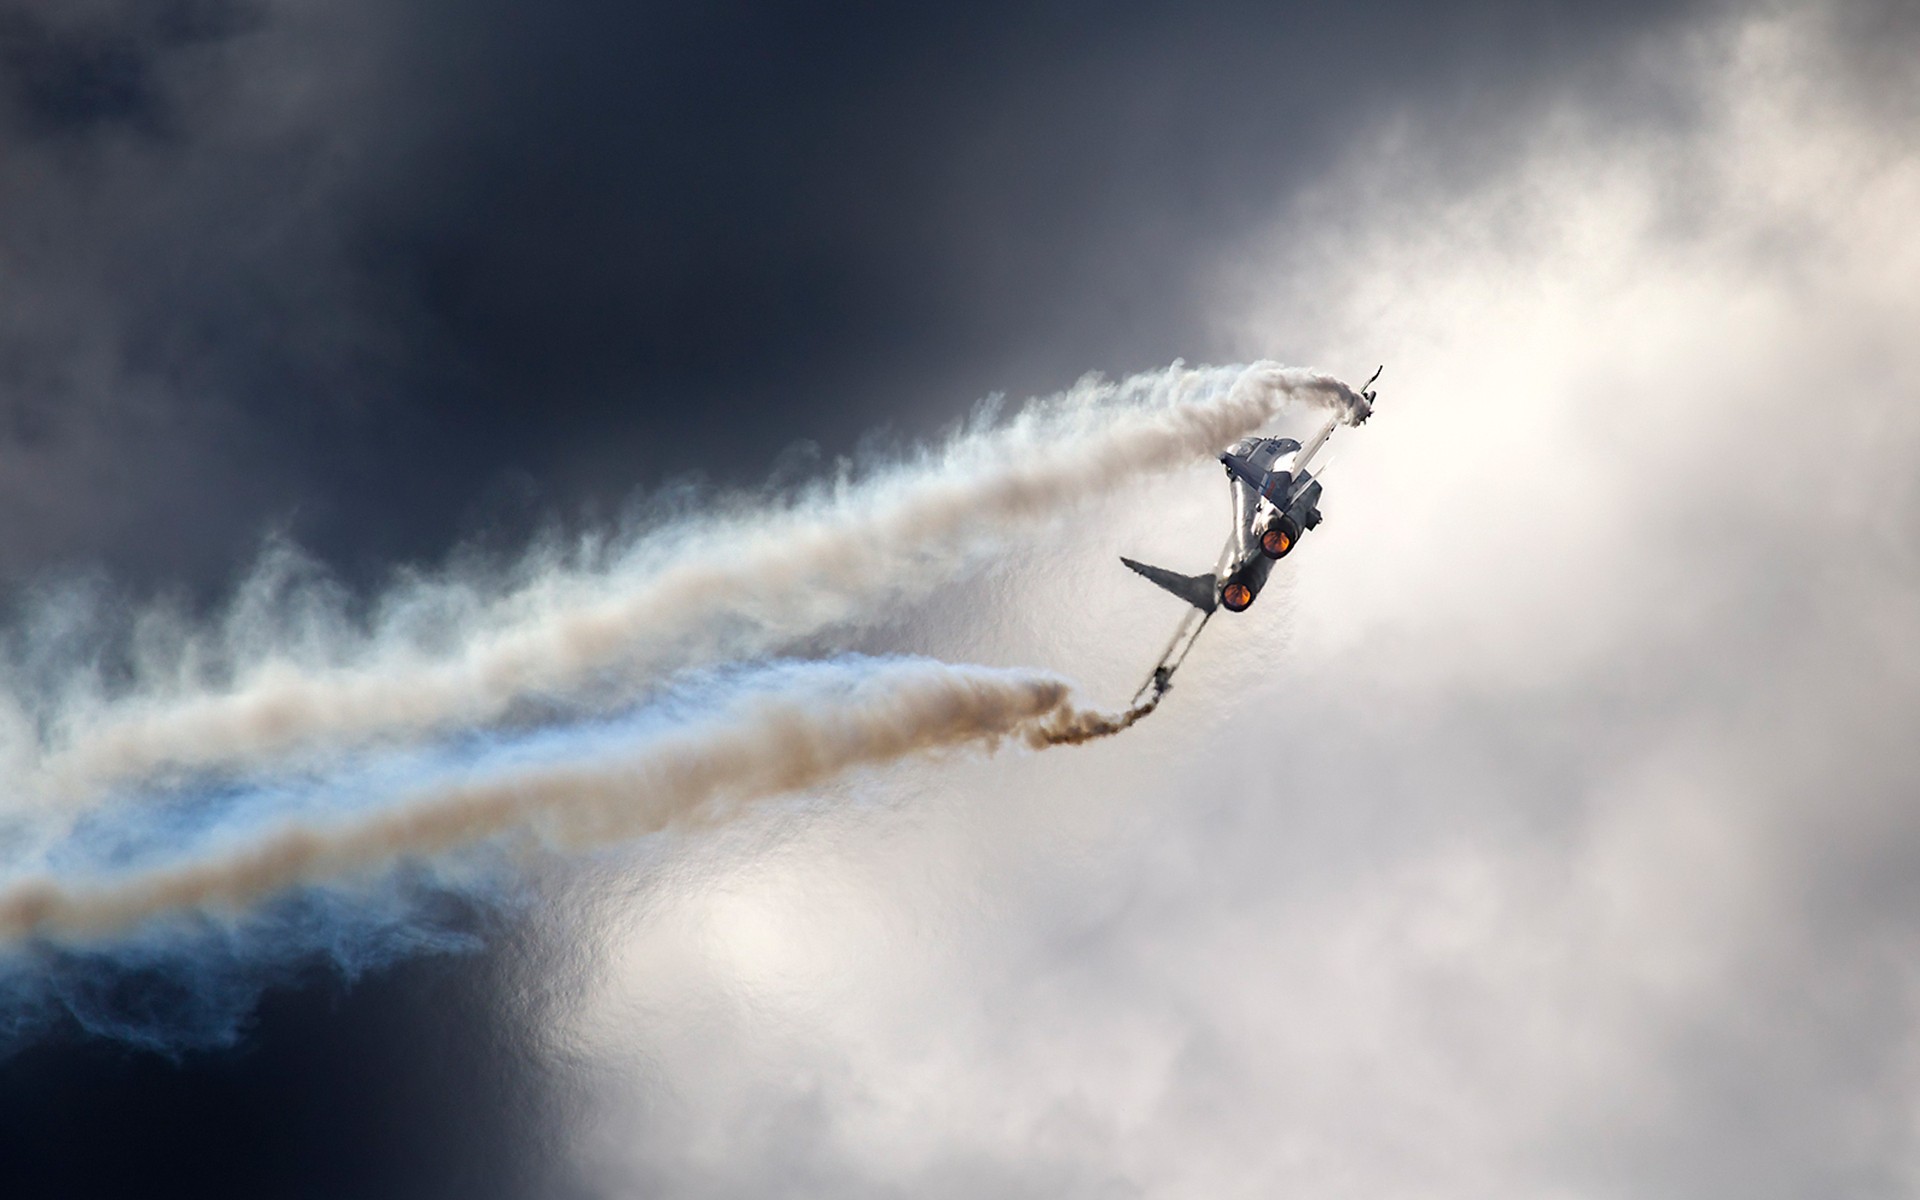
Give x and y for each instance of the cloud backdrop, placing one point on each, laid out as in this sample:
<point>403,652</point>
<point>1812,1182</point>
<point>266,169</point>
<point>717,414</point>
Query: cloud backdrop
<point>1581,864</point>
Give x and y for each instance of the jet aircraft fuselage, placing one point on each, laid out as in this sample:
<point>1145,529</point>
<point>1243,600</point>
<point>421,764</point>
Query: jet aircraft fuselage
<point>1276,502</point>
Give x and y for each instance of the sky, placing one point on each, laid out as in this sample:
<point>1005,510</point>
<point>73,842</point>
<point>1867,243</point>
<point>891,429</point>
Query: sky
<point>1545,830</point>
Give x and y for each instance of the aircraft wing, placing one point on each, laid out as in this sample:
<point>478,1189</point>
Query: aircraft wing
<point>1319,439</point>
<point>1313,445</point>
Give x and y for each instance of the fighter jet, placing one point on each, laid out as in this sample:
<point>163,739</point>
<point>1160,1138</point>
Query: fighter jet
<point>1276,501</point>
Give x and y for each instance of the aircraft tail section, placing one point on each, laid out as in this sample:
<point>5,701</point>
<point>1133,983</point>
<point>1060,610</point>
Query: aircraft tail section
<point>1197,590</point>
<point>1271,484</point>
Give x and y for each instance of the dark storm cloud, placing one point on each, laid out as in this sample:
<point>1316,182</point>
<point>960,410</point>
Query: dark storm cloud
<point>361,267</point>
<point>683,221</point>
<point>176,304</point>
<point>397,1085</point>
<point>346,266</point>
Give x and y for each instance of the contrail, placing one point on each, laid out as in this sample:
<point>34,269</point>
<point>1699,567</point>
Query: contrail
<point>818,722</point>
<point>704,590</point>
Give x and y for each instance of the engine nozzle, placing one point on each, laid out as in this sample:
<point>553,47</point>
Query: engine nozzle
<point>1279,538</point>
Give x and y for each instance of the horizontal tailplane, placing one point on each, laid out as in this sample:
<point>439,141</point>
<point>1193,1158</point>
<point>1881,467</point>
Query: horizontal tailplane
<point>1197,590</point>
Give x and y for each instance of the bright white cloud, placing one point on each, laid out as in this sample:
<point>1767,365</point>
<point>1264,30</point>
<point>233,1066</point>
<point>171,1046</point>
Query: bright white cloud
<point>1548,833</point>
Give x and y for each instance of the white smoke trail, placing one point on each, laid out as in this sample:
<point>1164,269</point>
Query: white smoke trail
<point>814,723</point>
<point>701,590</point>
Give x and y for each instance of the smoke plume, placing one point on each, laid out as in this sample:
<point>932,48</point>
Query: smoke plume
<point>207,807</point>
<point>756,574</point>
<point>786,730</point>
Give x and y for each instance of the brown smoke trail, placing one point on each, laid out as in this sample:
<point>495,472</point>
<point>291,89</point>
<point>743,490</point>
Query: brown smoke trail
<point>725,589</point>
<point>1075,726</point>
<point>701,774</point>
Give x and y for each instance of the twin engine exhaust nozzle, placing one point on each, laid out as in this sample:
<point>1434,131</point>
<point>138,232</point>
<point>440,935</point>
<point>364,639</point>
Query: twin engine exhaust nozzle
<point>1279,538</point>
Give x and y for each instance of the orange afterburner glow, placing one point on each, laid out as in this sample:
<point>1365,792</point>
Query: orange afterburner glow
<point>1275,542</point>
<point>1235,597</point>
